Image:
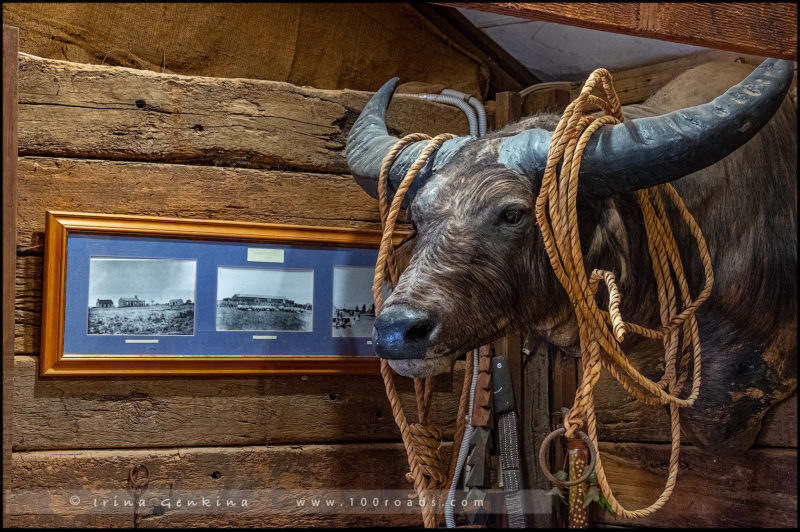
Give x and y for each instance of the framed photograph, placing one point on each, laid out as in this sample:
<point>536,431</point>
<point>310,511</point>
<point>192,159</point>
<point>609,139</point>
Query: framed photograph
<point>141,295</point>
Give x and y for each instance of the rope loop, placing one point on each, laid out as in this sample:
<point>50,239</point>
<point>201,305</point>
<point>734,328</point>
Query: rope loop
<point>601,332</point>
<point>422,440</point>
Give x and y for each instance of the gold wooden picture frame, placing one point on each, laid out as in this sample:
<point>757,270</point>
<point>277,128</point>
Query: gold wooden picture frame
<point>68,311</point>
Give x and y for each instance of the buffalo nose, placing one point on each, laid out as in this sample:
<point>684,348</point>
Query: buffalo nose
<point>402,332</point>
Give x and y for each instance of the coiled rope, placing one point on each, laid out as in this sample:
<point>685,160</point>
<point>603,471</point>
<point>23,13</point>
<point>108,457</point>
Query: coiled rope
<point>601,332</point>
<point>422,440</point>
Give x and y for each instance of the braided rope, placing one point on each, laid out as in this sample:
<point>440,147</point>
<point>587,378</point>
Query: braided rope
<point>422,441</point>
<point>602,331</point>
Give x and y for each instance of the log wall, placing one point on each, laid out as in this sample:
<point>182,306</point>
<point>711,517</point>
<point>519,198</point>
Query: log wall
<point>117,140</point>
<point>125,141</point>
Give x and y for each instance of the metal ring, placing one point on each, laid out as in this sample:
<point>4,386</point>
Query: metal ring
<point>546,469</point>
<point>133,476</point>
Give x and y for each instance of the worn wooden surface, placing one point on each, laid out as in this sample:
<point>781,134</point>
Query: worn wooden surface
<point>114,412</point>
<point>768,29</point>
<point>535,427</point>
<point>186,191</point>
<point>200,148</point>
<point>758,489</point>
<point>10,47</point>
<point>28,305</point>
<point>634,85</point>
<point>76,110</point>
<point>270,477</point>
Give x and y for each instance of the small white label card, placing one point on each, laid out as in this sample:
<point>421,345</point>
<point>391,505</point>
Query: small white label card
<point>264,255</point>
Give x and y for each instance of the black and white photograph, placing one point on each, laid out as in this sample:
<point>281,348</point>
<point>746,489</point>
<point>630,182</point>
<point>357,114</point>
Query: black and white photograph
<point>255,299</point>
<point>141,297</point>
<point>353,308</point>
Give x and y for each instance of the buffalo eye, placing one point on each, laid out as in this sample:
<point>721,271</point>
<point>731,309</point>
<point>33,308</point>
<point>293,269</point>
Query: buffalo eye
<point>512,215</point>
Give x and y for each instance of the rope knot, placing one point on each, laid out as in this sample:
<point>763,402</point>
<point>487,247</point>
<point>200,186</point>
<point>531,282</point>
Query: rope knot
<point>426,441</point>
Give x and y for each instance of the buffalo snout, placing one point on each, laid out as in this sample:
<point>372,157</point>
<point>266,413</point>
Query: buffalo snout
<point>402,332</point>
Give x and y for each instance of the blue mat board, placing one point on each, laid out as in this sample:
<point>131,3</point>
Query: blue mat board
<point>209,256</point>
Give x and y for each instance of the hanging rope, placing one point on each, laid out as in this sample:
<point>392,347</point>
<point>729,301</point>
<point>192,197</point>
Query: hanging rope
<point>602,331</point>
<point>421,440</point>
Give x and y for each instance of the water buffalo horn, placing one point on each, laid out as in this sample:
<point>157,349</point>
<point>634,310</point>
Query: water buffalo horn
<point>649,151</point>
<point>636,154</point>
<point>369,141</point>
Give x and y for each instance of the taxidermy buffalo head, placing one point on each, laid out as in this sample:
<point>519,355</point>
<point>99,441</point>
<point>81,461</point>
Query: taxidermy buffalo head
<point>476,267</point>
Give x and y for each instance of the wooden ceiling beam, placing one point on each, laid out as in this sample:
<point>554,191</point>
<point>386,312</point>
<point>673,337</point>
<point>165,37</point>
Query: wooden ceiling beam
<point>766,29</point>
<point>505,72</point>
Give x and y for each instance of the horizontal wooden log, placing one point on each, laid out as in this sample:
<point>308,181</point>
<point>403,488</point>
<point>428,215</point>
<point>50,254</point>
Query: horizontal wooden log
<point>758,489</point>
<point>95,111</point>
<point>185,191</point>
<point>768,29</point>
<point>114,412</point>
<point>620,418</point>
<point>269,478</point>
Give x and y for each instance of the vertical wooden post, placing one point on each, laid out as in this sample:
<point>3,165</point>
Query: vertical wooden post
<point>529,377</point>
<point>563,383</point>
<point>535,427</point>
<point>509,108</point>
<point>10,66</point>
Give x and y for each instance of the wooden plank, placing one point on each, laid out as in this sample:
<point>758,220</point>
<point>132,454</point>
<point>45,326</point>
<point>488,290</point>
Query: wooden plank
<point>204,192</point>
<point>553,100</point>
<point>635,85</point>
<point>563,383</point>
<point>10,48</point>
<point>28,305</point>
<point>757,489</point>
<point>94,111</point>
<point>535,427</point>
<point>115,412</point>
<point>508,110</point>
<point>270,477</point>
<point>505,72</point>
<point>768,29</point>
